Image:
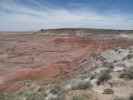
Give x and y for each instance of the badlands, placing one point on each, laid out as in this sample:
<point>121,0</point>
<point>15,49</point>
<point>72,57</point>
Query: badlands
<point>66,64</point>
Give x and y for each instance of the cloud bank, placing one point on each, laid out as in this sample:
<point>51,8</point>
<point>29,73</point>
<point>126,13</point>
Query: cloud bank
<point>14,16</point>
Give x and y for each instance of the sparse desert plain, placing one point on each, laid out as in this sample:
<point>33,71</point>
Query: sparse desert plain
<point>66,64</point>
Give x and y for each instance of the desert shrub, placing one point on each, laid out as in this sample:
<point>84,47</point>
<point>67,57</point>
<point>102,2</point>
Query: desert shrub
<point>79,97</point>
<point>79,85</point>
<point>34,96</point>
<point>56,93</point>
<point>2,96</point>
<point>9,96</point>
<point>126,98</point>
<point>120,98</point>
<point>131,97</point>
<point>23,95</point>
<point>108,65</point>
<point>108,91</point>
<point>42,30</point>
<point>56,90</point>
<point>130,56</point>
<point>128,74</point>
<point>103,77</point>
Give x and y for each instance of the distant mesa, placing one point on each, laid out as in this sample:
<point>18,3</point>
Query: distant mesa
<point>82,32</point>
<point>42,30</point>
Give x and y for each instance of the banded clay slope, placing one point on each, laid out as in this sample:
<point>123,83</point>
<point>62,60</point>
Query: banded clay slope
<point>50,58</point>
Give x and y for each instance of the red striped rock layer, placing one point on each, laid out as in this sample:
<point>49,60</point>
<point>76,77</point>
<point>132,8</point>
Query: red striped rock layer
<point>52,58</point>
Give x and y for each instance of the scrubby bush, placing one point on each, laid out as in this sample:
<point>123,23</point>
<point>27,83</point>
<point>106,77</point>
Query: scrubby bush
<point>131,97</point>
<point>120,98</point>
<point>108,65</point>
<point>9,96</point>
<point>25,95</point>
<point>79,97</point>
<point>128,74</point>
<point>42,30</point>
<point>56,90</point>
<point>2,96</point>
<point>56,93</point>
<point>126,98</point>
<point>34,96</point>
<point>108,91</point>
<point>103,77</point>
<point>81,84</point>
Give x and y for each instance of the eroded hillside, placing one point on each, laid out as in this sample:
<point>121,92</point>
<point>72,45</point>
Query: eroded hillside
<point>41,62</point>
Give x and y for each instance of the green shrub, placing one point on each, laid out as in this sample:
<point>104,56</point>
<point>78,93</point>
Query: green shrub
<point>104,76</point>
<point>81,85</point>
<point>131,97</point>
<point>7,96</point>
<point>128,74</point>
<point>79,97</point>
<point>34,96</point>
<point>25,95</point>
<point>119,98</point>
<point>108,91</point>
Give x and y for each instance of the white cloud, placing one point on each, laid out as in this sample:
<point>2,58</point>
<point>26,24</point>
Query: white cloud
<point>24,18</point>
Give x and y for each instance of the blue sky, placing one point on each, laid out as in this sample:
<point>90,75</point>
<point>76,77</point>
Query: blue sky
<point>26,15</point>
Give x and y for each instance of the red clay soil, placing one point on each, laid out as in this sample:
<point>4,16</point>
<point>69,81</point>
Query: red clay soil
<point>61,56</point>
